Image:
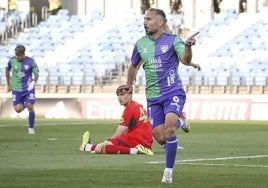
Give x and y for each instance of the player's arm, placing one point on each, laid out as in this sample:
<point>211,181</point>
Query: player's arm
<point>35,78</point>
<point>8,80</point>
<point>32,84</point>
<point>187,55</point>
<point>124,122</point>
<point>35,72</point>
<point>133,68</point>
<point>131,76</point>
<point>121,130</point>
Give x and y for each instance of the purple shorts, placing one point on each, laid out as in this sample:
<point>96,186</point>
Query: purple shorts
<point>159,107</point>
<point>23,97</point>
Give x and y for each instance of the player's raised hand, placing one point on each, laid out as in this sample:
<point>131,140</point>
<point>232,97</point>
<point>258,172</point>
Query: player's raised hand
<point>191,40</point>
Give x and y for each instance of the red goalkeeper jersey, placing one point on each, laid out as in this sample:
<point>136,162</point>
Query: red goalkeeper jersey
<point>139,127</point>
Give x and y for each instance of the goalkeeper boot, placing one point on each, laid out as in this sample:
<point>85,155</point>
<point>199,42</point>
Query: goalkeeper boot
<point>143,150</point>
<point>186,125</point>
<point>85,140</point>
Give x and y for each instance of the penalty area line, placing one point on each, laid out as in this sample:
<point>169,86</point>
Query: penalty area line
<point>58,123</point>
<point>192,161</point>
<point>234,165</point>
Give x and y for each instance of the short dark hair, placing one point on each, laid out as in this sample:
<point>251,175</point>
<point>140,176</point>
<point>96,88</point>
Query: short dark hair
<point>159,12</point>
<point>20,49</point>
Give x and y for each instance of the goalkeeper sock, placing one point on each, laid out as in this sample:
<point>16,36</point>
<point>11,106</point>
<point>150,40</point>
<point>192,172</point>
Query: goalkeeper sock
<point>90,147</point>
<point>112,149</point>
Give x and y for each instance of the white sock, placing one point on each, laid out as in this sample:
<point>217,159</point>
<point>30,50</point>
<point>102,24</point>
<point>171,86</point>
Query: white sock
<point>181,121</point>
<point>133,151</point>
<point>88,147</point>
<point>169,170</point>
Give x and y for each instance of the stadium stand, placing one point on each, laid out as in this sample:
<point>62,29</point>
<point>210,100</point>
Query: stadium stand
<point>90,53</point>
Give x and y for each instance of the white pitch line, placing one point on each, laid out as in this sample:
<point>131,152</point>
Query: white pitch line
<point>52,124</point>
<point>60,123</point>
<point>235,165</point>
<point>212,159</point>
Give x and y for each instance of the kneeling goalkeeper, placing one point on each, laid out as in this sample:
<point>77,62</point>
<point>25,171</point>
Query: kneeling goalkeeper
<point>133,134</point>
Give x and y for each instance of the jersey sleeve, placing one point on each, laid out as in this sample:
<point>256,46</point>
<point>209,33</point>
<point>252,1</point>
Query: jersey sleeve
<point>126,117</point>
<point>35,69</point>
<point>135,58</point>
<point>179,46</point>
<point>8,66</point>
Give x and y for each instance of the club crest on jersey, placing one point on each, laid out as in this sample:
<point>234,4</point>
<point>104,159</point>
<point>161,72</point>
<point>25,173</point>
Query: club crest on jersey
<point>26,67</point>
<point>164,48</point>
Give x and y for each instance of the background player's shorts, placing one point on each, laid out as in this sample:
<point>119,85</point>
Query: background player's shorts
<point>23,97</point>
<point>142,135</point>
<point>159,107</point>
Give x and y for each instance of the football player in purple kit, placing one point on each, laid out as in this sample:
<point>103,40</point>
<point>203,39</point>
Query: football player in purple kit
<point>160,54</point>
<point>21,81</point>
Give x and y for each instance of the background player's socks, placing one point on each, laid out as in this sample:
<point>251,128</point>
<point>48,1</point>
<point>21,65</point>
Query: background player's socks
<point>31,119</point>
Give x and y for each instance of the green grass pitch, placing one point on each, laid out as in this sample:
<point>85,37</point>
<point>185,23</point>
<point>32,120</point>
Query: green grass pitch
<point>216,154</point>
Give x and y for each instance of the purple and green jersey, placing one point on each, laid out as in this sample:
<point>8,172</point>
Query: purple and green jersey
<point>160,60</point>
<point>21,72</point>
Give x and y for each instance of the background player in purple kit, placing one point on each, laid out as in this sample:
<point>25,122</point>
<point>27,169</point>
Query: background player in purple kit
<point>160,54</point>
<point>21,81</point>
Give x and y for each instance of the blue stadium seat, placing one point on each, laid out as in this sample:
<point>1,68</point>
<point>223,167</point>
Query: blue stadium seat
<point>222,77</point>
<point>77,78</point>
<point>64,12</point>
<point>261,78</point>
<point>199,78</point>
<point>185,75</point>
<point>3,32</point>
<point>90,78</point>
<point>99,45</point>
<point>3,27</point>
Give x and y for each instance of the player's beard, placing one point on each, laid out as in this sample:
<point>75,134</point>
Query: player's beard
<point>19,59</point>
<point>150,32</point>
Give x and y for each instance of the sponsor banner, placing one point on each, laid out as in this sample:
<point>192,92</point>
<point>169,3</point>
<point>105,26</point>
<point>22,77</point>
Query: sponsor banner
<point>45,108</point>
<point>106,106</point>
<point>195,108</point>
<point>218,109</point>
<point>101,108</point>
